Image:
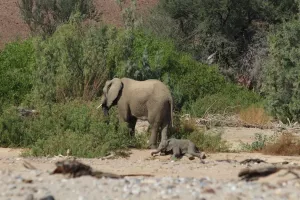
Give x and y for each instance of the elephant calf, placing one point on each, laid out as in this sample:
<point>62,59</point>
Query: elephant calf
<point>179,147</point>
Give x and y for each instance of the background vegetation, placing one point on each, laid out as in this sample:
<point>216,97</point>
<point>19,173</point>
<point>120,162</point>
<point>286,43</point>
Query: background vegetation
<point>214,55</point>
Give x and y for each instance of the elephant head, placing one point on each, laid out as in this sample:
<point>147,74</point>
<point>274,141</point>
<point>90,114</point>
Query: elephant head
<point>165,146</point>
<point>111,93</point>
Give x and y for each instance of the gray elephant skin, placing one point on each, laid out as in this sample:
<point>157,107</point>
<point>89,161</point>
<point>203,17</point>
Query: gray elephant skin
<point>178,148</point>
<point>147,100</point>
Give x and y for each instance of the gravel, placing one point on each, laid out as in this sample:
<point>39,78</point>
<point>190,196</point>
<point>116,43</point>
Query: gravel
<point>41,185</point>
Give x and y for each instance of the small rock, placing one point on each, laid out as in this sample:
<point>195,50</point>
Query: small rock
<point>49,197</point>
<point>12,187</point>
<point>30,197</point>
<point>80,198</point>
<point>209,190</point>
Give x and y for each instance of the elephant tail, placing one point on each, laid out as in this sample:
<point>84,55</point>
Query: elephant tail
<point>171,111</point>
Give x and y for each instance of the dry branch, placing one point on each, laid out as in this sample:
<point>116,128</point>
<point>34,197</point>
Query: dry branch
<point>210,120</point>
<point>230,121</point>
<point>253,174</point>
<point>77,169</point>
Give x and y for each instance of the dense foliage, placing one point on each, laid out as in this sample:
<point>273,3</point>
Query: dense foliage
<point>43,16</point>
<point>282,72</point>
<point>232,32</point>
<point>17,63</point>
<point>76,126</point>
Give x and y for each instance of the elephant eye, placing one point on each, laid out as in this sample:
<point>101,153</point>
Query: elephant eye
<point>108,87</point>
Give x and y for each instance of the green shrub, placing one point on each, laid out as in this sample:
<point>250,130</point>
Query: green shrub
<point>17,63</point>
<point>137,55</point>
<point>209,142</point>
<point>233,31</point>
<point>282,81</point>
<point>72,63</point>
<point>229,100</point>
<point>259,143</point>
<point>43,16</point>
<point>76,126</point>
<point>206,141</point>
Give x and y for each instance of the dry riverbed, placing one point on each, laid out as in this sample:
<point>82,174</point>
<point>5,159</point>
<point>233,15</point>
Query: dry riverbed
<point>183,179</point>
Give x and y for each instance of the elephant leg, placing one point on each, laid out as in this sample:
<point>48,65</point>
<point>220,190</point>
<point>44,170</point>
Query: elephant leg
<point>164,131</point>
<point>153,137</point>
<point>176,153</point>
<point>131,125</point>
<point>197,155</point>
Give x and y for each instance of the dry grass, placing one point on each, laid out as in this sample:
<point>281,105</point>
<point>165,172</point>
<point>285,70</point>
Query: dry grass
<point>255,116</point>
<point>287,145</point>
<point>189,125</point>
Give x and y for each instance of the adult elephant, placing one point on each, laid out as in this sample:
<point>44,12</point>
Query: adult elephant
<point>147,100</point>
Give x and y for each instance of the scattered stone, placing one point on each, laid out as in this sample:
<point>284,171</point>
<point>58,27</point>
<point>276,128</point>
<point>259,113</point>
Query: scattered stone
<point>30,197</point>
<point>209,190</point>
<point>252,161</point>
<point>49,197</point>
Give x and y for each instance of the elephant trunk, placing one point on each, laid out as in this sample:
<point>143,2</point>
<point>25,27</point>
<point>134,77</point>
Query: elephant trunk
<point>105,109</point>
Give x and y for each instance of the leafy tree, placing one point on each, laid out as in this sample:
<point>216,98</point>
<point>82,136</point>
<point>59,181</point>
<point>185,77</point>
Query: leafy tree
<point>17,61</point>
<point>43,16</point>
<point>233,32</point>
<point>282,72</point>
<point>72,63</point>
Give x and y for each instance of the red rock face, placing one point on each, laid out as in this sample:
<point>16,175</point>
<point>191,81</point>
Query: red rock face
<point>13,27</point>
<point>11,24</point>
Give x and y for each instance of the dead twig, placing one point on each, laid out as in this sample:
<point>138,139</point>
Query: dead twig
<point>209,108</point>
<point>28,165</point>
<point>254,174</point>
<point>229,121</point>
<point>252,160</point>
<point>77,169</point>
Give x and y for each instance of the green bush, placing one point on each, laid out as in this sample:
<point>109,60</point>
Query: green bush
<point>229,100</point>
<point>282,80</point>
<point>259,143</point>
<point>209,142</point>
<point>234,30</point>
<point>76,126</point>
<point>137,55</point>
<point>72,63</point>
<point>44,16</point>
<point>17,61</point>
<point>206,141</point>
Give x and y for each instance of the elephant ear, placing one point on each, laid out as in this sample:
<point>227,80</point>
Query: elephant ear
<point>169,145</point>
<point>113,91</point>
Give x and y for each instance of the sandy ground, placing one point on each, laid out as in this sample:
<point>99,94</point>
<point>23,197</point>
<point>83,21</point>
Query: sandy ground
<point>182,179</point>
<point>141,161</point>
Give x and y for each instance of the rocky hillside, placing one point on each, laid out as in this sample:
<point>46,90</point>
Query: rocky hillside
<point>12,26</point>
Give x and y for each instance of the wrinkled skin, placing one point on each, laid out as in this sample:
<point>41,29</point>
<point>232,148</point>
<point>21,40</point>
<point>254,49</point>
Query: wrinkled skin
<point>148,100</point>
<point>178,148</point>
